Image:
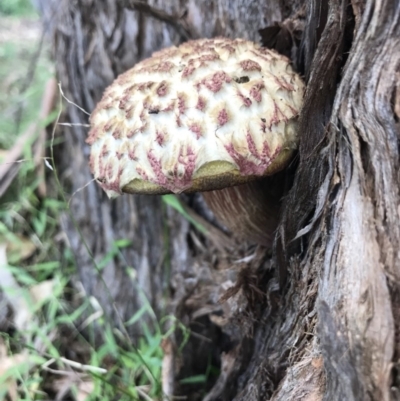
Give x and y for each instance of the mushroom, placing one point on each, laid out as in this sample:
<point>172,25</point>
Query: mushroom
<point>214,115</point>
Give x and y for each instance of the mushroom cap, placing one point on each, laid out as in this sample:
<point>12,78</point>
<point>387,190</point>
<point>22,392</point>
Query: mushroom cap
<point>205,115</point>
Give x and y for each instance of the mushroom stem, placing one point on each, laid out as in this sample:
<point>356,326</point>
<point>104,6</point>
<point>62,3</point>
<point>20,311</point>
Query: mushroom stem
<point>251,210</point>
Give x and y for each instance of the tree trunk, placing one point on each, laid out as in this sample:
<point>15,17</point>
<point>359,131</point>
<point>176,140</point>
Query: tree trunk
<point>319,318</point>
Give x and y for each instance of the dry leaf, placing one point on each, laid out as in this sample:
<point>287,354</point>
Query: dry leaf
<point>63,385</point>
<point>85,389</point>
<point>20,249</point>
<point>42,291</point>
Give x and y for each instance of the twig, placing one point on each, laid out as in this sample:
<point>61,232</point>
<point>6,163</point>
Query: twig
<point>80,366</point>
<point>76,365</point>
<point>62,372</point>
<point>71,102</point>
<point>167,369</point>
<point>141,6</point>
<point>78,190</point>
<point>74,125</point>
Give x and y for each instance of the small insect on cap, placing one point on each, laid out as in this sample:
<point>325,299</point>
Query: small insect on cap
<point>208,114</point>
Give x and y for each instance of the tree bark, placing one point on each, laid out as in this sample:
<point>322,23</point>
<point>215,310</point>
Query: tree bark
<point>319,318</point>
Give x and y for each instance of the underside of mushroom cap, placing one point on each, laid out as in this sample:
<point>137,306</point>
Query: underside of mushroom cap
<point>205,115</point>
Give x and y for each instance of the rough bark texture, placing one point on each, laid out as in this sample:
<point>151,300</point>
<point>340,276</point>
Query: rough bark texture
<point>319,320</point>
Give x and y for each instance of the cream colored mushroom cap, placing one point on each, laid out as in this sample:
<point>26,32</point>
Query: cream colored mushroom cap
<point>207,114</point>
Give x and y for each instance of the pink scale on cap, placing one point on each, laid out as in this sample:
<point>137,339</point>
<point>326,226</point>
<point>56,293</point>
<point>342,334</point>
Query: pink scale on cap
<point>249,167</point>
<point>129,90</point>
<point>123,102</point>
<point>160,137</point>
<point>117,134</point>
<point>105,150</point>
<point>108,106</point>
<point>145,85</point>
<point>223,117</point>
<point>131,133</point>
<point>132,151</point>
<point>201,103</point>
<point>111,181</point>
<point>187,71</point>
<point>267,57</point>
<point>110,169</point>
<point>181,103</point>
<point>156,166</point>
<point>92,138</point>
<point>174,181</point>
<point>170,106</point>
<point>250,65</point>
<point>255,91</point>
<point>275,116</point>
<point>209,57</point>
<point>101,167</point>
<point>123,78</point>
<point>163,66</point>
<point>142,173</point>
<point>205,59</point>
<point>143,127</point>
<point>214,82</point>
<point>196,129</point>
<point>189,163</point>
<point>251,145</point>
<point>129,113</point>
<point>162,89</point>
<point>111,125</point>
<point>293,110</point>
<point>230,48</point>
<point>245,100</point>
<point>111,185</point>
<point>281,81</point>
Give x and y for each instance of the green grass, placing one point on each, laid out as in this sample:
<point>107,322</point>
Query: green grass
<point>114,368</point>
